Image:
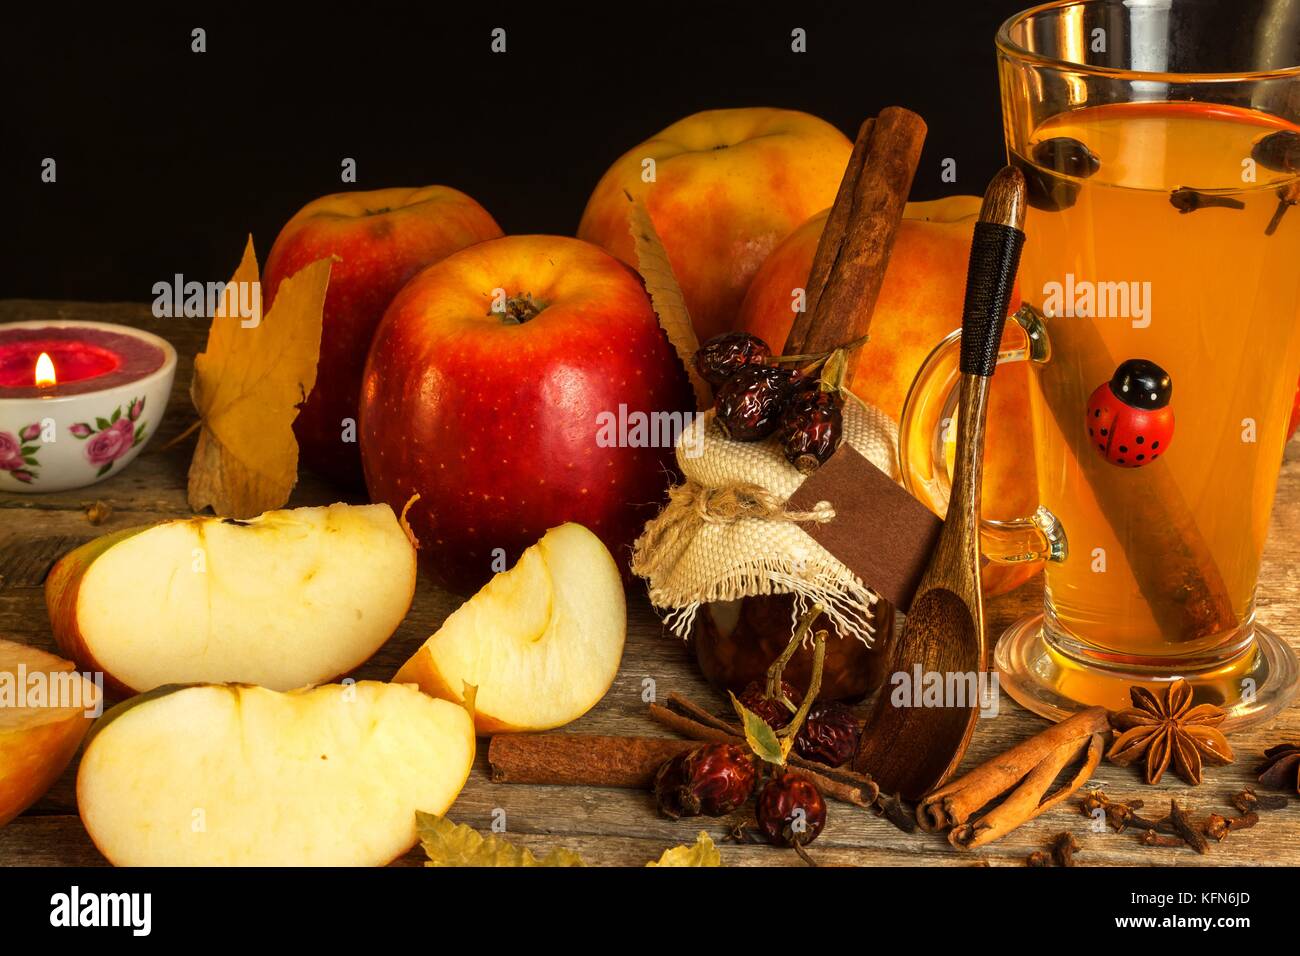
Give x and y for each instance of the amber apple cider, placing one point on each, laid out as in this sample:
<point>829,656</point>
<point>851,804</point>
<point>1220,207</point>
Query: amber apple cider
<point>1169,251</point>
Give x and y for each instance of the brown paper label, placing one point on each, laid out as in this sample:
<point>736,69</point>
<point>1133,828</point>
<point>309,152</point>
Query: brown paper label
<point>880,532</point>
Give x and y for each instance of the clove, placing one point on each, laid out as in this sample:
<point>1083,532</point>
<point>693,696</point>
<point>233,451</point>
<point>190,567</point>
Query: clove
<point>1183,828</point>
<point>1119,815</point>
<point>1185,200</point>
<point>1217,827</point>
<point>1060,851</point>
<point>1064,846</point>
<point>1248,801</point>
<point>1287,197</point>
<point>893,809</point>
<point>1279,151</point>
<point>1151,838</point>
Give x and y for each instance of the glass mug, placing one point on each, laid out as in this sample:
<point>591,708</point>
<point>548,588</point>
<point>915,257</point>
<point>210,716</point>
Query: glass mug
<point>1161,150</point>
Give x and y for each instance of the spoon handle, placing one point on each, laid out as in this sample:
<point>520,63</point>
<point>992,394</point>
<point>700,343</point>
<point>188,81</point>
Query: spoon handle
<point>991,272</point>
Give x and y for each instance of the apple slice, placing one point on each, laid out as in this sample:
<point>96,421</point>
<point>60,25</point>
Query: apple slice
<point>287,599</point>
<point>235,775</point>
<point>541,642</point>
<point>44,707</point>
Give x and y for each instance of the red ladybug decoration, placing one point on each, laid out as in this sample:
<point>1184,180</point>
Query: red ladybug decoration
<point>1130,422</point>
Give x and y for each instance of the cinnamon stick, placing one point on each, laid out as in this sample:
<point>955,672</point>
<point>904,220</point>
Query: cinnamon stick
<point>854,249</point>
<point>588,760</point>
<point>1027,770</point>
<point>837,221</point>
<point>696,712</point>
<point>1027,800</point>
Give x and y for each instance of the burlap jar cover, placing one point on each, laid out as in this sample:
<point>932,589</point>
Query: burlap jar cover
<point>725,533</point>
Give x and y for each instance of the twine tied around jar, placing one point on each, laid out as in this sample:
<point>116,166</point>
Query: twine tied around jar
<point>726,534</point>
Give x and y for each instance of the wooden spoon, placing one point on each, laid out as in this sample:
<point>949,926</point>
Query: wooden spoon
<point>911,749</point>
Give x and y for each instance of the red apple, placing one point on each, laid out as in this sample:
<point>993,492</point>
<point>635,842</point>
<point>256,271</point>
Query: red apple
<point>487,391</point>
<point>728,185</point>
<point>378,240</point>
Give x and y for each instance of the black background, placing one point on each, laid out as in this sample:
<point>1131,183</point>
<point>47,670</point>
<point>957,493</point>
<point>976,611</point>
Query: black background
<point>168,158</point>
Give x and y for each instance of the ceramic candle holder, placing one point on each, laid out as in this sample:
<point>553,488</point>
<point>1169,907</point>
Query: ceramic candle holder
<point>110,389</point>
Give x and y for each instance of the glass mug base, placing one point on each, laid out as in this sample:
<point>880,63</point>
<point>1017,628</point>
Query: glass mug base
<point>1041,677</point>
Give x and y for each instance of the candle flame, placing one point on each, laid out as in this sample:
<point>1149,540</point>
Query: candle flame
<point>45,370</point>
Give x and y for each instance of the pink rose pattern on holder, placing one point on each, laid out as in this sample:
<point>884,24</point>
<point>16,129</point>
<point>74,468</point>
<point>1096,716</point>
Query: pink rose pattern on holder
<point>18,455</point>
<point>111,438</point>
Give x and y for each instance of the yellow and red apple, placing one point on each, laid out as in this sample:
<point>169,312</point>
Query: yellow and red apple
<point>723,188</point>
<point>920,303</point>
<point>236,775</point>
<point>378,240</point>
<point>540,643</point>
<point>38,736</point>
<point>488,391</point>
<point>286,599</point>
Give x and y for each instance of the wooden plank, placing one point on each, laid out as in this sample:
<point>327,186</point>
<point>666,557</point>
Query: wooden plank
<point>613,826</point>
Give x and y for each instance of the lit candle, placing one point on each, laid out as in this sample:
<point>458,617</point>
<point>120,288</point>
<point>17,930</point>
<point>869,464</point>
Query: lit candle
<point>77,401</point>
<point>44,373</point>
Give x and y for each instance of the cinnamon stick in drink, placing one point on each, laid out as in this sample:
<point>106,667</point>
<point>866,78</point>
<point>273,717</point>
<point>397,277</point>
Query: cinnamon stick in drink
<point>1173,567</point>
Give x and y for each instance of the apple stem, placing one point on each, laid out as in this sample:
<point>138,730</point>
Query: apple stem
<point>520,309</point>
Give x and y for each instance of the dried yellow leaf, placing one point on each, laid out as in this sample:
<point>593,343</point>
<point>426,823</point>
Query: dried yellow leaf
<point>766,744</point>
<point>455,844</point>
<point>701,853</point>
<point>248,384</point>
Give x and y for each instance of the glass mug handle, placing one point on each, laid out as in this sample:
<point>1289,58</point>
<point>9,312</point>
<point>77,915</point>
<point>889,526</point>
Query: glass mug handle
<point>928,411</point>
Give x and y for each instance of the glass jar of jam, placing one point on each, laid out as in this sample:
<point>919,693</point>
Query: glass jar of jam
<point>735,642</point>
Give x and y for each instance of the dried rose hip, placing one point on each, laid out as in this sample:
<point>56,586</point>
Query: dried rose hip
<point>810,430</point>
<point>712,780</point>
<point>670,786</point>
<point>777,715</point>
<point>790,810</point>
<point>724,355</point>
<point>829,734</point>
<point>750,403</point>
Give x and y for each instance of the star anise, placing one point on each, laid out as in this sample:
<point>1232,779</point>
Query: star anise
<point>1281,768</point>
<point>1164,727</point>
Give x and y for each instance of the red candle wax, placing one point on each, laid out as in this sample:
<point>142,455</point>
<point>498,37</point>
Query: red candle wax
<point>73,361</point>
<point>85,359</point>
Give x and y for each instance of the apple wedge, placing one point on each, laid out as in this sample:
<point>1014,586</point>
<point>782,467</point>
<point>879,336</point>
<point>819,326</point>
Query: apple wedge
<point>235,775</point>
<point>287,599</point>
<point>44,712</point>
<point>541,642</point>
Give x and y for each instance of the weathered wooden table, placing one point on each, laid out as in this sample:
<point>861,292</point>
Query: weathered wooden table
<point>612,826</point>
